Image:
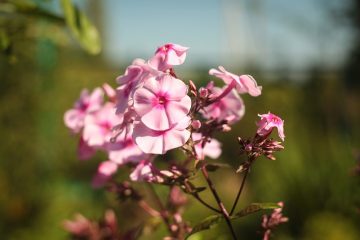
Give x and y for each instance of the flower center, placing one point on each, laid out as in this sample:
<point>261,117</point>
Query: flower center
<point>162,100</point>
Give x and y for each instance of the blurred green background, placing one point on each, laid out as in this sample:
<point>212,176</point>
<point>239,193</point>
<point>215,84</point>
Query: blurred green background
<point>309,69</point>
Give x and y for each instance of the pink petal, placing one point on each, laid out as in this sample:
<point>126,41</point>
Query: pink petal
<point>148,140</point>
<point>96,99</point>
<point>250,86</point>
<point>132,73</point>
<point>177,110</point>
<point>143,100</point>
<point>174,59</point>
<point>174,88</point>
<point>74,119</point>
<point>156,119</point>
<point>175,138</point>
<point>84,150</point>
<point>105,171</point>
<point>93,135</point>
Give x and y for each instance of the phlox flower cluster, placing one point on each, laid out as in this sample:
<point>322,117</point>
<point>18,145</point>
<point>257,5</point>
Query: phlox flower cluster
<point>152,111</point>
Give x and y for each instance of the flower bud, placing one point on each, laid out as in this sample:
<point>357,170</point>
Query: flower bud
<point>204,92</point>
<point>196,124</point>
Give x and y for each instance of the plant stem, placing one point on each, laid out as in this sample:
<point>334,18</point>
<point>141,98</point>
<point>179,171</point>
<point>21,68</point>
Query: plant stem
<point>152,212</point>
<point>197,197</point>
<point>218,200</point>
<point>163,211</point>
<point>240,191</point>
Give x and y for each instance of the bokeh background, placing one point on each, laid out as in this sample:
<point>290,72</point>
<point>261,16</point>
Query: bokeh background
<point>305,54</point>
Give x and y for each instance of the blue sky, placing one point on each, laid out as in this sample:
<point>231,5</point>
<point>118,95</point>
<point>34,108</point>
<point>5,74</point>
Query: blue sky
<point>269,33</point>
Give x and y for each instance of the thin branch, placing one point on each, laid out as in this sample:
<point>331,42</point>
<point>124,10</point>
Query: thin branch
<point>240,191</point>
<point>219,202</point>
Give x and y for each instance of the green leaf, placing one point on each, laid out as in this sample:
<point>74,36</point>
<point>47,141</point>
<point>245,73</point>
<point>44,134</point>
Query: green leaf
<point>207,223</point>
<point>4,40</point>
<point>82,29</point>
<point>255,207</point>
<point>213,220</point>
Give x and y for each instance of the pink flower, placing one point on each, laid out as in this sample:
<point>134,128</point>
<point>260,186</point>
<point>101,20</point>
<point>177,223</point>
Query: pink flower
<point>124,150</point>
<point>134,77</point>
<point>275,219</point>
<point>84,150</point>
<point>80,226</point>
<point>110,91</point>
<point>167,56</point>
<point>162,102</point>
<point>268,122</point>
<point>87,103</point>
<point>98,126</point>
<point>132,74</point>
<point>104,172</point>
<point>243,83</point>
<point>159,142</point>
<point>230,108</point>
<point>211,149</point>
<point>144,171</point>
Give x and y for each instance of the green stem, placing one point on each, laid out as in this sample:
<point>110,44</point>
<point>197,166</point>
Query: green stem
<point>219,202</point>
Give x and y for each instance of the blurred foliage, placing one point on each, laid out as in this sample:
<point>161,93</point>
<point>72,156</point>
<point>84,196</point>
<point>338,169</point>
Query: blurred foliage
<point>21,19</point>
<point>42,182</point>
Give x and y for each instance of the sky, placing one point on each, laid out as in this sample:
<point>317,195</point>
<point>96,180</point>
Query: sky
<point>270,34</point>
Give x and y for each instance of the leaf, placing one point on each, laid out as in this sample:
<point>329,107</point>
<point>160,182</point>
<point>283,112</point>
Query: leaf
<point>213,220</point>
<point>4,40</point>
<point>82,29</point>
<point>207,223</point>
<point>255,207</point>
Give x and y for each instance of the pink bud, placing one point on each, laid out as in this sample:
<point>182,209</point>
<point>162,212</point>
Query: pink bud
<point>204,92</point>
<point>196,124</point>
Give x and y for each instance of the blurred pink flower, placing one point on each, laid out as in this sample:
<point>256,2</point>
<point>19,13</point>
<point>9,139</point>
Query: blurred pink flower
<point>159,142</point>
<point>80,226</point>
<point>98,126</point>
<point>104,172</point>
<point>124,150</point>
<point>275,219</point>
<point>144,171</point>
<point>230,108</point>
<point>211,149</point>
<point>242,83</point>
<point>84,150</point>
<point>268,122</point>
<point>167,56</point>
<point>87,103</point>
<point>134,77</point>
<point>162,102</point>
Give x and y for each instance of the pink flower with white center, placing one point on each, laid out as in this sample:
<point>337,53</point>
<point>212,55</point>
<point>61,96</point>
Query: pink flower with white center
<point>167,56</point>
<point>98,126</point>
<point>162,102</point>
<point>159,142</point>
<point>230,107</point>
<point>104,172</point>
<point>268,122</point>
<point>124,150</point>
<point>134,77</point>
<point>87,103</point>
<point>211,149</point>
<point>144,171</point>
<point>242,83</point>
